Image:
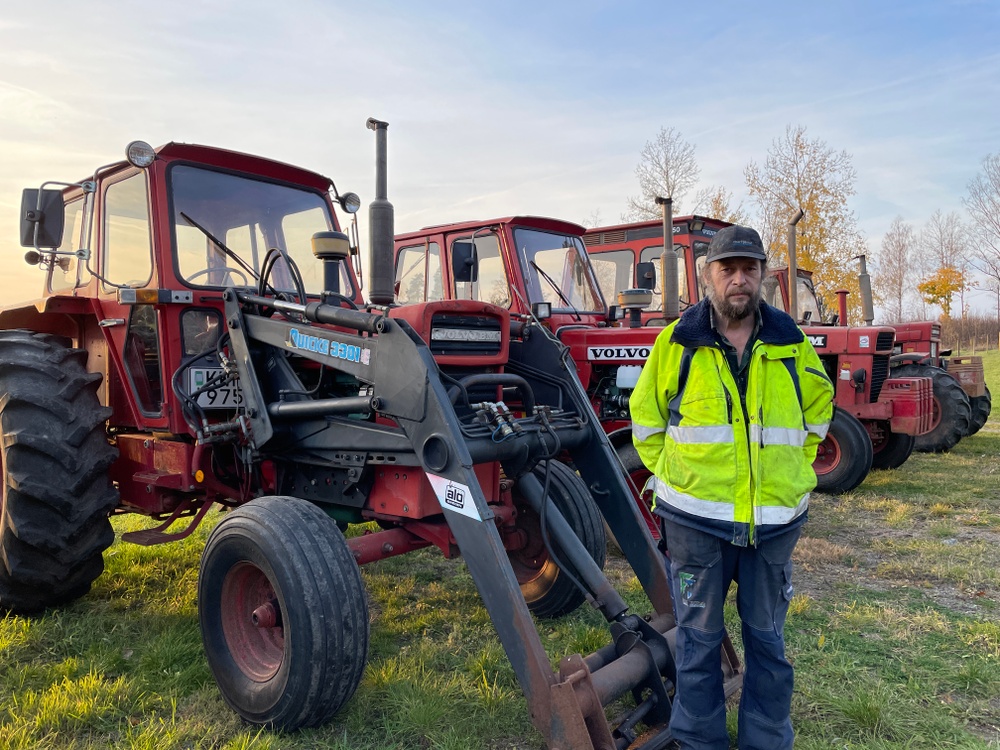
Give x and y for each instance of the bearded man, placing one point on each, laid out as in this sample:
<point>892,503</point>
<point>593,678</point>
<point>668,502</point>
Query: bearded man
<point>727,415</point>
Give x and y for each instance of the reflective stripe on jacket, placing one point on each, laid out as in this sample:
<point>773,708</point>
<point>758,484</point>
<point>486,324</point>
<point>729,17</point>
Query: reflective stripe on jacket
<point>713,460</point>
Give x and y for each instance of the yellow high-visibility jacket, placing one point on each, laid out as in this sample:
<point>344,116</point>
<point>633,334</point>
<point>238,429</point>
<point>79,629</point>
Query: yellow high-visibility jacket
<point>731,467</point>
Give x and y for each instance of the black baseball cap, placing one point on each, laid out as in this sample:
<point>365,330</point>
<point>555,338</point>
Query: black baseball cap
<point>736,242</point>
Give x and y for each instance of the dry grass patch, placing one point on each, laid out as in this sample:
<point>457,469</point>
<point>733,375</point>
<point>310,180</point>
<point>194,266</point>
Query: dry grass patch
<point>813,553</point>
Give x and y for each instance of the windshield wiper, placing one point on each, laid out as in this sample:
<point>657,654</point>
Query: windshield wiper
<point>246,266</point>
<point>556,288</point>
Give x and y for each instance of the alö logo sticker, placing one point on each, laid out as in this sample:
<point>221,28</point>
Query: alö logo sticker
<point>617,352</point>
<point>454,496</point>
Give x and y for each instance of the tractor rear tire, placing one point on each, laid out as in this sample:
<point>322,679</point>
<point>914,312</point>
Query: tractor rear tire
<point>54,460</point>
<point>844,457</point>
<point>952,413</point>
<point>283,613</point>
<point>892,449</point>
<point>981,407</point>
<point>547,589</point>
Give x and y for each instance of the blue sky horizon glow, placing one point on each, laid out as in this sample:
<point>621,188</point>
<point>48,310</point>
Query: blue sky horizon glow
<point>494,110</point>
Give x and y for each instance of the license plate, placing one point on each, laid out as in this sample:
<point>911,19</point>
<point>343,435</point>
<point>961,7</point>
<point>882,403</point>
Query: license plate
<point>225,396</point>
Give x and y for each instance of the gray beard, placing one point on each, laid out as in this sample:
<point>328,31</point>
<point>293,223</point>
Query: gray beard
<point>731,311</point>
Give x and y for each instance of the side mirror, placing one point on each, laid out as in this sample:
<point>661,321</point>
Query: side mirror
<point>47,214</point>
<point>645,275</point>
<point>464,262</point>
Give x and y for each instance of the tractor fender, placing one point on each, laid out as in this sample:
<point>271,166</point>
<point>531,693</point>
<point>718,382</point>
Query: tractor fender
<point>919,358</point>
<point>58,315</point>
<point>620,437</point>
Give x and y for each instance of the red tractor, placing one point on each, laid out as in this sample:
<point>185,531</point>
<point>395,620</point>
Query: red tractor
<point>918,351</point>
<point>201,342</point>
<point>876,419</point>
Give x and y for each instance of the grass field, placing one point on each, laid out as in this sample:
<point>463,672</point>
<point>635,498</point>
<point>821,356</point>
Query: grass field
<point>894,631</point>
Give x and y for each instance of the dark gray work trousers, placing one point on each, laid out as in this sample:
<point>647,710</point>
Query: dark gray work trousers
<point>701,568</point>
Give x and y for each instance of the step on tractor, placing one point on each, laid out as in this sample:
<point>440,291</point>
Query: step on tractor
<point>202,342</point>
<point>876,420</point>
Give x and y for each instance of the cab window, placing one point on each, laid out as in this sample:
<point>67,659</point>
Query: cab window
<point>128,258</point>
<point>491,283</point>
<point>652,254</point>
<point>614,271</point>
<point>63,276</point>
<point>418,274</point>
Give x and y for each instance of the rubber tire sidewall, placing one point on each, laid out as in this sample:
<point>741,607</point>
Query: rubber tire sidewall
<point>54,511</point>
<point>855,449</point>
<point>551,593</point>
<point>322,663</point>
<point>981,407</point>
<point>893,451</point>
<point>952,404</point>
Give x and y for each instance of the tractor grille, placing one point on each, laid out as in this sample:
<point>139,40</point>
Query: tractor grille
<point>880,371</point>
<point>884,341</point>
<point>465,335</point>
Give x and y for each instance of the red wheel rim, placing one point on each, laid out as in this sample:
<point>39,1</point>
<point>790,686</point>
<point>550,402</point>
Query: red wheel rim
<point>828,455</point>
<point>257,647</point>
<point>528,561</point>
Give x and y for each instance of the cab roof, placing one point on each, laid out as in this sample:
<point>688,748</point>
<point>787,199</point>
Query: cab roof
<point>534,222</point>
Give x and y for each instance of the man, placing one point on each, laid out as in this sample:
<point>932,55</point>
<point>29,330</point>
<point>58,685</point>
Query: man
<point>727,414</point>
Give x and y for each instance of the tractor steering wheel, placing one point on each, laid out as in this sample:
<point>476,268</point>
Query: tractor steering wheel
<point>228,277</point>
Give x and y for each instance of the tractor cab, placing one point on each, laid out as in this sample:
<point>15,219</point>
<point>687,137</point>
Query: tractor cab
<point>775,293</point>
<point>527,264</point>
<point>149,244</point>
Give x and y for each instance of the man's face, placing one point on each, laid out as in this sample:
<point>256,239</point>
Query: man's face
<point>734,286</point>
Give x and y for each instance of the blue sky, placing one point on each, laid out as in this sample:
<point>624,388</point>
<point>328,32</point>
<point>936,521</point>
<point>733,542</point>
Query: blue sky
<point>505,108</point>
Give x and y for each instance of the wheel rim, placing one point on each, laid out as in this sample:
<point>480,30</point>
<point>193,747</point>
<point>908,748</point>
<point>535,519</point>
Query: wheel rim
<point>251,622</point>
<point>828,456</point>
<point>529,561</point>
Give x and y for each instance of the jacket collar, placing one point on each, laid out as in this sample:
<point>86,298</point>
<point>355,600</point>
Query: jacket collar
<point>695,327</point>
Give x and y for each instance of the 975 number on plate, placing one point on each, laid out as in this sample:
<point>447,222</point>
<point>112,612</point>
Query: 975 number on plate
<point>225,396</point>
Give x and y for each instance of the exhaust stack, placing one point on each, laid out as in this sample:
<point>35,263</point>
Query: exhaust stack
<point>865,283</point>
<point>793,268</point>
<point>381,223</point>
<point>668,262</point>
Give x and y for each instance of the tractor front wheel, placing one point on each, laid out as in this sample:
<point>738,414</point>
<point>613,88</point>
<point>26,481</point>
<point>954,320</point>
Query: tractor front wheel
<point>952,414</point>
<point>283,613</point>
<point>54,460</point>
<point>844,458</point>
<point>889,449</point>
<point>547,589</point>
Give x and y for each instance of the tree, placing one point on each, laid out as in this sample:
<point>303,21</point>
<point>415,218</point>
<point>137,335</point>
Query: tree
<point>891,279</point>
<point>716,203</point>
<point>941,287</point>
<point>666,168</point>
<point>593,220</point>
<point>807,174</point>
<point>983,205</point>
<point>943,243</point>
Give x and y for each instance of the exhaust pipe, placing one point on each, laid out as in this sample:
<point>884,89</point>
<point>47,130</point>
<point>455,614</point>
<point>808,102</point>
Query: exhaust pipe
<point>865,283</point>
<point>793,268</point>
<point>380,223</point>
<point>668,262</point>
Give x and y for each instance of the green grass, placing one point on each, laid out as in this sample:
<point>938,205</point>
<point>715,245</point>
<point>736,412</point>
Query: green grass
<point>894,632</point>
